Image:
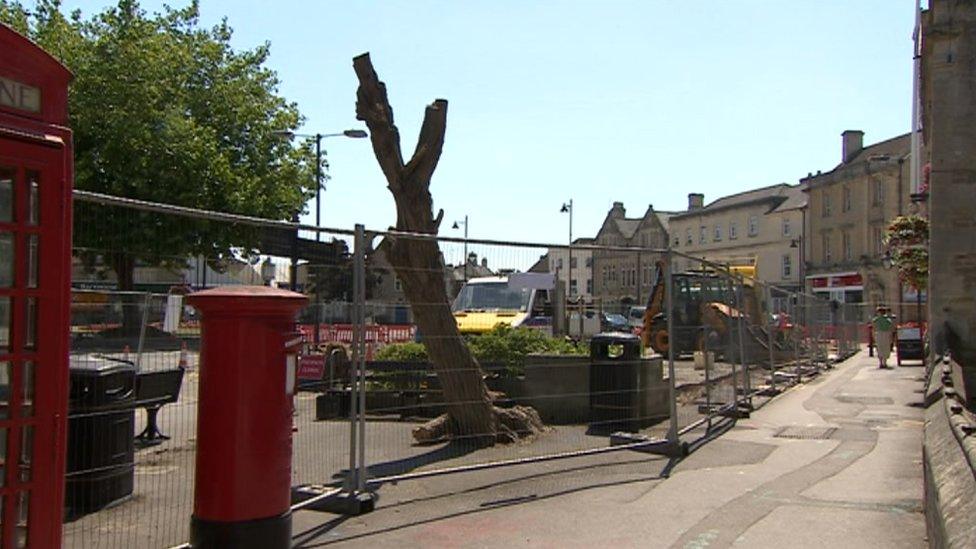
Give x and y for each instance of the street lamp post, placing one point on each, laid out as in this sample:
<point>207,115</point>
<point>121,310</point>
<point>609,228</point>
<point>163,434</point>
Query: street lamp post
<point>568,208</point>
<point>288,134</point>
<point>798,244</point>
<point>318,137</point>
<point>455,226</point>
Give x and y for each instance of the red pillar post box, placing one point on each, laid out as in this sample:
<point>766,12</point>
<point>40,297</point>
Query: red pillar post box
<point>242,494</point>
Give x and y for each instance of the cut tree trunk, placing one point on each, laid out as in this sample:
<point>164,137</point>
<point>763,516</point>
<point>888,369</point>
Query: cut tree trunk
<point>471,415</point>
<point>124,266</point>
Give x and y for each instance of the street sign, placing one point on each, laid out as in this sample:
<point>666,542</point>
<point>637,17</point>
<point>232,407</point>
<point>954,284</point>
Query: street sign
<point>311,367</point>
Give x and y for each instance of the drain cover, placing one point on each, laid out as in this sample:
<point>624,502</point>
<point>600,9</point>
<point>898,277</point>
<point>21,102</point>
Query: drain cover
<point>862,399</point>
<point>801,432</point>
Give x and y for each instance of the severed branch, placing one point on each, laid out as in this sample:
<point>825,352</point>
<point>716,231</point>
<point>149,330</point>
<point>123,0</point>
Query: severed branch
<point>373,107</point>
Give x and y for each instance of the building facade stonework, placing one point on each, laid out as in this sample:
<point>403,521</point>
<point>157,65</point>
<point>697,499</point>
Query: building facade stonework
<point>949,136</point>
<point>622,279</point>
<point>849,209</point>
<point>762,228</point>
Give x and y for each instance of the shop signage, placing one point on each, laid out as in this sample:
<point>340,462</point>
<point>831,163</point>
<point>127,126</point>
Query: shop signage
<point>836,281</point>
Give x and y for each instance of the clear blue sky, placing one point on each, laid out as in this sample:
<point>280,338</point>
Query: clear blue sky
<point>633,101</point>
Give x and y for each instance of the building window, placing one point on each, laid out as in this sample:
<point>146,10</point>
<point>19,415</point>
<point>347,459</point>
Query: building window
<point>787,266</point>
<point>633,277</point>
<point>753,225</point>
<point>588,262</point>
<point>688,240</point>
<point>733,230</point>
<point>559,263</point>
<point>397,285</point>
<point>718,233</point>
<point>701,234</point>
<point>589,285</point>
<point>572,263</point>
<point>825,205</point>
<point>877,192</point>
<point>572,287</point>
<point>826,249</point>
<point>846,205</point>
<point>787,230</point>
<point>848,246</point>
<point>605,277</point>
<point>878,241</point>
<point>677,242</point>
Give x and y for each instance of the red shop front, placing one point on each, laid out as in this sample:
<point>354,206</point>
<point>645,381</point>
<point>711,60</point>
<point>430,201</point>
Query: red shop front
<point>35,259</point>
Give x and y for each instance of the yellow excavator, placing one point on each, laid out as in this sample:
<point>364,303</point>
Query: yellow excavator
<point>703,310</point>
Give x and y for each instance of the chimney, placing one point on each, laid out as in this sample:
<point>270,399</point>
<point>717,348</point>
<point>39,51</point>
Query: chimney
<point>695,201</point>
<point>852,141</point>
<point>472,258</point>
<point>484,262</point>
<point>618,211</point>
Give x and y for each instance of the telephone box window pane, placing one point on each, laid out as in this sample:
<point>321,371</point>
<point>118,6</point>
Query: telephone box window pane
<point>4,324</point>
<point>34,198</point>
<point>6,260</point>
<point>27,400</point>
<point>6,195</point>
<point>22,512</point>
<point>30,323</point>
<point>3,454</point>
<point>5,377</point>
<point>32,259</point>
<point>26,452</point>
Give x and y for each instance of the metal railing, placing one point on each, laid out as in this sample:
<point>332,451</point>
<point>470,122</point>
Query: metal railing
<point>370,394</point>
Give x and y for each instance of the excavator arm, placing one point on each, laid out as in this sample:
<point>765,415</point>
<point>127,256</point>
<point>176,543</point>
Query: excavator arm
<point>655,305</point>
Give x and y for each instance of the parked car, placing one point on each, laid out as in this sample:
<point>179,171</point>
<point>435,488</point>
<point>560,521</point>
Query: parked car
<point>612,322</point>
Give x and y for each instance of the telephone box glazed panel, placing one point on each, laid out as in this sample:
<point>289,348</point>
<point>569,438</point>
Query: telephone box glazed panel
<point>35,259</point>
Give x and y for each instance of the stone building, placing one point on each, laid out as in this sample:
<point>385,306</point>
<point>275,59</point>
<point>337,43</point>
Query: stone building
<point>849,209</point>
<point>762,228</point>
<point>620,278</point>
<point>948,113</point>
<point>559,262</point>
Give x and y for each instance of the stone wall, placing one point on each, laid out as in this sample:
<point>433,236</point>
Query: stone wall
<point>949,452</point>
<point>949,110</point>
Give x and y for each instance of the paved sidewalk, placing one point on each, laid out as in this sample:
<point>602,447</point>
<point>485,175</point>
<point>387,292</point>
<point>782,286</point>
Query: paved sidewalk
<point>853,478</point>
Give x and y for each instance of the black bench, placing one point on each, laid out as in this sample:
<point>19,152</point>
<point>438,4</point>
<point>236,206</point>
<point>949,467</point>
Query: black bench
<point>153,391</point>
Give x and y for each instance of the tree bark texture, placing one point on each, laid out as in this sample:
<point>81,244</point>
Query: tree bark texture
<point>470,412</point>
<point>124,266</point>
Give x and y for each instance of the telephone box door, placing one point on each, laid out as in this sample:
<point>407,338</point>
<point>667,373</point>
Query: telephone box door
<point>34,260</point>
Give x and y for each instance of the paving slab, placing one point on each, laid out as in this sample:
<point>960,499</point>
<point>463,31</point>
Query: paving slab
<point>859,487</point>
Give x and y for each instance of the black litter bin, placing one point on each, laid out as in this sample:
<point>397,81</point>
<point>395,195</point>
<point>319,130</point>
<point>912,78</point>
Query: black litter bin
<point>101,421</point>
<point>618,383</point>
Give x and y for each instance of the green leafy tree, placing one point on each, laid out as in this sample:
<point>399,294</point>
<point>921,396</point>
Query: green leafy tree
<point>166,110</point>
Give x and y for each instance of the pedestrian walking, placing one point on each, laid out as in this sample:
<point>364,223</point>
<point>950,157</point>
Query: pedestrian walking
<point>883,325</point>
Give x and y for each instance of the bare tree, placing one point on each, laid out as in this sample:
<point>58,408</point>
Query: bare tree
<point>471,414</point>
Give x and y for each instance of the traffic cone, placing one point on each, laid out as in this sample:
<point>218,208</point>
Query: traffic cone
<point>183,365</point>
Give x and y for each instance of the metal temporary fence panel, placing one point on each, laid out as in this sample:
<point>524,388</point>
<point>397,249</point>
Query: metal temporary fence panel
<point>131,460</point>
<point>530,333</point>
<point>131,419</point>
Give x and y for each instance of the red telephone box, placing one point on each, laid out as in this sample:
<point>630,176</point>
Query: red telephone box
<point>35,285</point>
